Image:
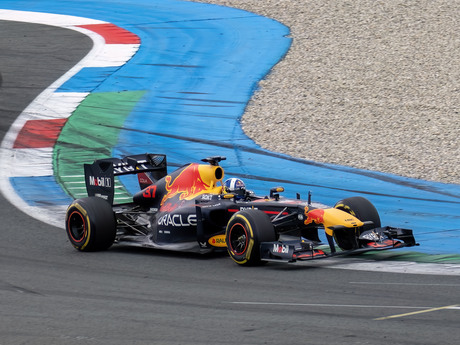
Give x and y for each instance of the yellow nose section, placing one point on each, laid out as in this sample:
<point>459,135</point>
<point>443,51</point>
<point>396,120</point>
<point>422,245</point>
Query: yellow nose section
<point>335,217</point>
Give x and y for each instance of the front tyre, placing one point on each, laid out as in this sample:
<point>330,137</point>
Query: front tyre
<point>90,224</point>
<point>362,209</point>
<point>245,231</point>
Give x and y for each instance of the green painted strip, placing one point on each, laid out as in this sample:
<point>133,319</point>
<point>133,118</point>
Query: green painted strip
<point>89,134</point>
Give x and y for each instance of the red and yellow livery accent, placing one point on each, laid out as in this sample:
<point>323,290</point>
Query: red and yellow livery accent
<point>193,180</point>
<point>331,217</point>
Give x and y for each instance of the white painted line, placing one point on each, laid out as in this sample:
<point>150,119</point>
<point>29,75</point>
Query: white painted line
<point>60,105</point>
<point>328,305</point>
<point>60,20</point>
<point>113,55</point>
<point>29,162</point>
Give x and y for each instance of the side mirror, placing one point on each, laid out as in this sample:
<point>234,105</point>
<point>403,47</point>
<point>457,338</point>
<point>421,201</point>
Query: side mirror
<point>274,192</point>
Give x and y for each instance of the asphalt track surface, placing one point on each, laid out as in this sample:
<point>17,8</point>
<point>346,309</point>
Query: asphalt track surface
<point>52,294</point>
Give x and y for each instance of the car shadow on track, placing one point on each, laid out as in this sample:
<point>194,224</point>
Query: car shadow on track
<point>217,257</point>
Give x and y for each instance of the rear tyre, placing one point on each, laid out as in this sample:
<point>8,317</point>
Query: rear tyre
<point>90,224</point>
<point>362,209</point>
<point>245,231</point>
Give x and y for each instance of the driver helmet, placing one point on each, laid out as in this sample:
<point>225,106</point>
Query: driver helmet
<point>235,186</point>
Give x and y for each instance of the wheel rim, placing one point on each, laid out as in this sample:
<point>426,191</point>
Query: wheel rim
<point>238,239</point>
<point>77,227</point>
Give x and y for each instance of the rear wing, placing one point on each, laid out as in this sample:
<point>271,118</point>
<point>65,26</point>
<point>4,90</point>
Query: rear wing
<point>100,176</point>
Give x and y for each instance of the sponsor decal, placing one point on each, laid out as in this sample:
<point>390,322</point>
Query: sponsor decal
<point>105,197</point>
<point>100,181</point>
<point>122,167</point>
<point>206,197</point>
<point>143,179</point>
<point>218,241</point>
<point>177,220</point>
<point>280,248</point>
<point>211,206</point>
<point>248,208</point>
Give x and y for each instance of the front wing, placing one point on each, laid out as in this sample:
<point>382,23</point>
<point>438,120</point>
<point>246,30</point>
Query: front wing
<point>372,240</point>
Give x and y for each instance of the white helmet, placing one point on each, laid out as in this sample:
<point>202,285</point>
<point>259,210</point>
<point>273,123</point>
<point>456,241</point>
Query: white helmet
<point>235,186</point>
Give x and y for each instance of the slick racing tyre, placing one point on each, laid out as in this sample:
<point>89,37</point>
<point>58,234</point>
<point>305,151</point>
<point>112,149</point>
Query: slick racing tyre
<point>362,209</point>
<point>90,224</point>
<point>245,231</point>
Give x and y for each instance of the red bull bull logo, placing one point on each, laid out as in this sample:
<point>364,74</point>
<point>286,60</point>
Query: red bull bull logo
<point>314,216</point>
<point>187,184</point>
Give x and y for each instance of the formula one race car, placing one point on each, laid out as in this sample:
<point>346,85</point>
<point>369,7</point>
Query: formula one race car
<point>192,209</point>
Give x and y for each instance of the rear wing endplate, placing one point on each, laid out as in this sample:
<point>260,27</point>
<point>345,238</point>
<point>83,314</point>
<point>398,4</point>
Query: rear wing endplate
<point>100,176</point>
